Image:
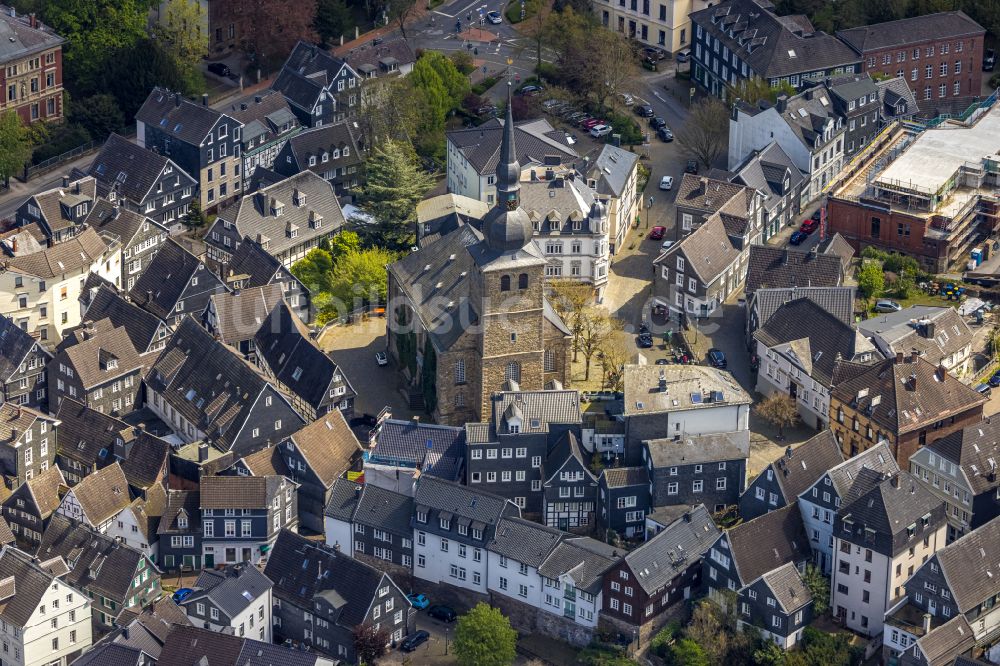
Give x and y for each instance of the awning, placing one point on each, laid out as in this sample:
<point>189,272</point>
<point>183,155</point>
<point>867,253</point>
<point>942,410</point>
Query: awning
<point>266,547</point>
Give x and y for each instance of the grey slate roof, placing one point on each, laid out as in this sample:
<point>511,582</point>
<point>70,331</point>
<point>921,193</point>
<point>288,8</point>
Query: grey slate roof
<point>319,140</point>
<point>878,458</point>
<point>838,245</point>
<point>692,449</point>
<point>537,409</point>
<point>192,646</point>
<point>675,548</point>
<point>253,215</point>
<point>908,329</point>
<point>566,447</point>
<point>524,541</point>
<point>585,559</point>
<point>971,565</point>
<point>816,338</point>
<point>772,46</point>
<point>799,469</point>
<point>707,250</point>
<point>612,169</point>
<point>232,589</point>
<point>257,264</point>
<point>557,205</point>
<point>944,643</point>
<point>239,492</point>
<point>265,115</point>
<point>461,501</point>
<point>18,39</point>
<point>187,502</point>
<point>103,494</point>
<point>890,34</point>
<point>481,145</point>
<point>91,356</point>
<point>838,301</point>
<point>976,449</point>
<point>15,344</point>
<point>767,542</point>
<point>56,203</point>
<point>241,313</point>
<point>183,119</point>
<point>887,505</point>
<point>405,443</point>
<point>892,92</point>
<point>30,582</point>
<point>130,170</point>
<point>772,267</point>
<point>328,446</point>
<point>295,564</point>
<point>343,502</point>
<point>765,171</point>
<point>285,344</point>
<point>162,283</point>
<point>789,589</point>
<point>76,254</point>
<point>368,56</point>
<point>111,220</point>
<point>111,654</point>
<point>223,386</point>
<point>382,508</point>
<point>140,325</point>
<point>306,72</point>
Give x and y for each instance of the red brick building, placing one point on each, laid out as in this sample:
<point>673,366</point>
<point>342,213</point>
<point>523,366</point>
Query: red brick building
<point>30,67</point>
<point>939,55</point>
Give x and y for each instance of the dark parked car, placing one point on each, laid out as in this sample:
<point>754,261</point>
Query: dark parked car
<point>530,90</point>
<point>797,238</point>
<point>443,613</point>
<point>644,340</point>
<point>984,389</point>
<point>683,55</point>
<point>182,594</point>
<point>665,134</point>
<point>644,110</point>
<point>657,122</point>
<point>414,641</point>
<point>994,380</point>
<point>716,358</point>
<point>989,60</point>
<point>691,167</point>
<point>219,69</point>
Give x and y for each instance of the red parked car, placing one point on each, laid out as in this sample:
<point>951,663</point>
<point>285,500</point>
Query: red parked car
<point>592,123</point>
<point>809,226</point>
<point>656,233</point>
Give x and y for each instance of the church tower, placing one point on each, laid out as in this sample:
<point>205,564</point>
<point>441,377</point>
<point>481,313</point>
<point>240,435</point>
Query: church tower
<point>510,288</point>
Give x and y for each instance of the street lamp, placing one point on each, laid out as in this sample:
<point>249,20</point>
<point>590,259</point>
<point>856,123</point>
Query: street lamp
<point>647,211</point>
<point>446,640</point>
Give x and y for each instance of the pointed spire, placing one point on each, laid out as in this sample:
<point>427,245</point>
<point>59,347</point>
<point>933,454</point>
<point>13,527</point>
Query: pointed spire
<point>508,169</point>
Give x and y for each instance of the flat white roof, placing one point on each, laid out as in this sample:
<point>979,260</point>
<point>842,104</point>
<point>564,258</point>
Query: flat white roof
<point>934,156</point>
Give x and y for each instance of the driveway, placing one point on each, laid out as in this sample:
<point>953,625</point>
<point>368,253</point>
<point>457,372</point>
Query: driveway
<point>438,648</point>
<point>353,348</point>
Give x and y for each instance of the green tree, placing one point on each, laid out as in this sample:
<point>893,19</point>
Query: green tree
<point>754,89</point>
<point>686,652</point>
<point>181,30</point>
<point>769,654</point>
<point>94,31</point>
<point>314,269</point>
<point>15,148</point>
<point>456,83</point>
<point>463,62</point>
<point>100,115</point>
<point>434,95</point>
<point>195,217</point>
<point>484,637</point>
<point>135,69</point>
<point>333,20</point>
<point>819,588</point>
<point>705,135</point>
<point>395,185</point>
<point>343,243</point>
<point>871,279</point>
<point>360,278</point>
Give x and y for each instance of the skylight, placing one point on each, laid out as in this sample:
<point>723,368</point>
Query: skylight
<point>803,113</point>
<point>791,53</point>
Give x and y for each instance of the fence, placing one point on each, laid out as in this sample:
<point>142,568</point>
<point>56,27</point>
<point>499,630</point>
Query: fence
<point>53,163</point>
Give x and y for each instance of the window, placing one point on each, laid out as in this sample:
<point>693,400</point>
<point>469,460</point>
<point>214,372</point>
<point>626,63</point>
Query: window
<point>460,371</point>
<point>697,486</point>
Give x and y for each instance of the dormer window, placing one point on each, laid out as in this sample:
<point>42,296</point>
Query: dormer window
<point>346,151</point>
<point>477,534</point>
<point>325,158</point>
<point>182,522</point>
<point>445,523</point>
<point>277,208</point>
<point>421,516</point>
<point>112,363</point>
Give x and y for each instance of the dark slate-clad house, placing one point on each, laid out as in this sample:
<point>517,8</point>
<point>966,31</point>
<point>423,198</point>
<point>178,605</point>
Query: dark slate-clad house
<point>202,141</point>
<point>700,469</point>
<point>27,443</point>
<point>321,596</point>
<point>746,552</point>
<point>204,391</point>
<point>332,151</point>
<point>623,500</point>
<point>253,266</point>
<point>115,576</point>
<point>179,531</point>
<point>371,524</point>
<point>140,236</point>
<point>782,481</point>
<point>236,598</point>
<point>144,182</point>
<point>286,353</point>
<point>175,283</point>
<point>97,365</point>
<point>58,214</point>
<point>268,122</point>
<point>22,367</point>
<point>507,453</point>
<point>320,88</point>
<point>147,332</point>
<point>30,506</point>
<point>779,604</point>
<point>192,645</point>
<point>398,450</point>
<point>855,98</point>
<point>265,504</point>
<point>661,572</point>
<point>569,487</point>
<point>235,317</point>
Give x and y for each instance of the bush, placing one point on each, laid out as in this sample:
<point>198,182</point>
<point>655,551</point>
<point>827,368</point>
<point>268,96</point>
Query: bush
<point>626,126</point>
<point>484,85</point>
<point>63,138</point>
<point>660,645</point>
<point>548,71</point>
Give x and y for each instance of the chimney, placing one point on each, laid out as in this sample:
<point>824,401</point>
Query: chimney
<point>177,100</point>
<point>941,372</point>
<point>13,245</point>
<point>899,357</point>
<point>65,181</point>
<point>788,452</point>
<point>704,184</point>
<point>913,355</point>
<point>687,516</point>
<point>256,99</point>
<point>894,481</point>
<point>781,103</point>
<point>550,174</point>
<point>149,295</point>
<point>813,251</point>
<point>357,492</point>
<point>203,453</point>
<point>913,382</point>
<point>927,623</point>
<point>204,99</point>
<point>929,330</point>
<point>32,20</point>
<point>243,106</point>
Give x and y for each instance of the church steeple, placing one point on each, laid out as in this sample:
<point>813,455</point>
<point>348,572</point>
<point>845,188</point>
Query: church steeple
<point>508,168</point>
<point>506,227</point>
